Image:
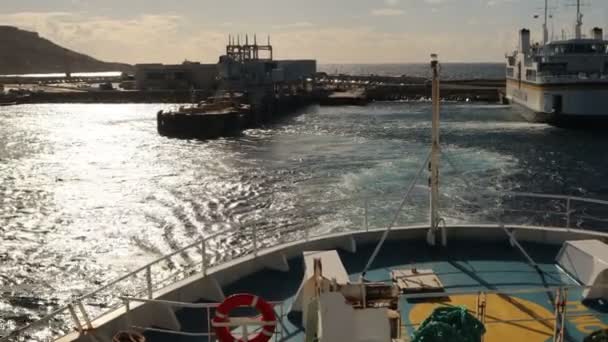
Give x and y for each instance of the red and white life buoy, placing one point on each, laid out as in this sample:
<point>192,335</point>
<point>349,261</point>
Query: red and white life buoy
<point>222,315</point>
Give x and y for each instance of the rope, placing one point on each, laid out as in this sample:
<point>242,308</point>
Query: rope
<point>450,324</point>
<point>391,225</point>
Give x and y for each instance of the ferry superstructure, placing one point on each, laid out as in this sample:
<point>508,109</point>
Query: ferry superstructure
<point>560,81</point>
<point>516,278</point>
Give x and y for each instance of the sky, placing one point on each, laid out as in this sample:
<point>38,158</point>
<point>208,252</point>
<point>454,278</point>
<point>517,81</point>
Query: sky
<point>330,31</point>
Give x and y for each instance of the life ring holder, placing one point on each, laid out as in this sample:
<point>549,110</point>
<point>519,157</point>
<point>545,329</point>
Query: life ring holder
<point>222,322</point>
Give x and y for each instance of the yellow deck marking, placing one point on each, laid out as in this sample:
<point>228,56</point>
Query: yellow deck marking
<point>585,324</point>
<point>499,307</point>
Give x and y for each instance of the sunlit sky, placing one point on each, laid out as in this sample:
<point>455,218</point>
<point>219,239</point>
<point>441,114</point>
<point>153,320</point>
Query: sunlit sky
<point>331,31</point>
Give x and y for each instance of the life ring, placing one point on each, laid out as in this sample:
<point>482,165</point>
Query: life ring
<point>222,313</point>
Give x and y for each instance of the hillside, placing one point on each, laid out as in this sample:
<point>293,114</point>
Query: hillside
<point>23,52</point>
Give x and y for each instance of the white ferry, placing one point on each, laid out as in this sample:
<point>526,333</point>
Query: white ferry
<point>516,279</point>
<point>560,81</point>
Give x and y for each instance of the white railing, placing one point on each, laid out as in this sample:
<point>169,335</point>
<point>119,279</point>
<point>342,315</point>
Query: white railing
<point>248,239</point>
<point>572,78</point>
<point>278,307</point>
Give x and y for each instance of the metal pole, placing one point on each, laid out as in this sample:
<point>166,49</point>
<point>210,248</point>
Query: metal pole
<point>204,257</point>
<point>365,219</point>
<point>75,318</point>
<point>209,322</point>
<point>435,146</point>
<point>568,213</point>
<point>579,20</point>
<point>545,31</point>
<point>149,281</point>
<point>85,315</point>
<point>127,311</point>
<point>255,240</point>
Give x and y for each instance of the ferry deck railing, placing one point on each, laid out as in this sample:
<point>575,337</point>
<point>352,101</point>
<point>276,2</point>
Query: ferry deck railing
<point>278,307</point>
<point>252,237</point>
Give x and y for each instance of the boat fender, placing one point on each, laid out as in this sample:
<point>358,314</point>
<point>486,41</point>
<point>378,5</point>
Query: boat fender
<point>244,300</point>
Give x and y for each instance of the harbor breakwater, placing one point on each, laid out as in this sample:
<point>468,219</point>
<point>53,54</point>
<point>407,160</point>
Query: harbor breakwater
<point>373,88</point>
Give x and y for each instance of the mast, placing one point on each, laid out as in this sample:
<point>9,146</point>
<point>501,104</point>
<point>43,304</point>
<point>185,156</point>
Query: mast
<point>435,151</point>
<point>579,20</point>
<point>545,30</point>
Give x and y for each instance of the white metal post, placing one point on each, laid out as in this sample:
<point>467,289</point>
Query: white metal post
<point>87,320</point>
<point>366,209</point>
<point>127,311</point>
<point>149,281</point>
<point>568,213</point>
<point>209,322</point>
<point>435,151</point>
<point>255,240</point>
<point>204,257</point>
<point>75,318</point>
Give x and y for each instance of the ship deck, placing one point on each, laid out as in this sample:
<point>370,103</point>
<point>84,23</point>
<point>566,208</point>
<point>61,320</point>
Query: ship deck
<point>464,267</point>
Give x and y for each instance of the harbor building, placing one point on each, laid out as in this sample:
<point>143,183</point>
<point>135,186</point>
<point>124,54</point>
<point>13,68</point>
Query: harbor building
<point>183,76</point>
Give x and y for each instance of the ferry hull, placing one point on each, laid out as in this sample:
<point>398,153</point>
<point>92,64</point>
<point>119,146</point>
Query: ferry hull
<point>576,105</point>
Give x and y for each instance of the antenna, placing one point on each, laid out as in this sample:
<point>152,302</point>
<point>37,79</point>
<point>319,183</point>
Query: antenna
<point>545,31</point>
<point>579,19</point>
<point>578,27</point>
<point>255,39</point>
<point>546,16</point>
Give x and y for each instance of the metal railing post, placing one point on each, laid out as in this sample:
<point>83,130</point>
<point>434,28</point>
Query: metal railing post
<point>204,256</point>
<point>209,323</point>
<point>149,281</point>
<point>127,311</point>
<point>87,320</point>
<point>75,318</point>
<point>366,210</point>
<point>568,213</point>
<point>255,240</point>
<point>281,321</point>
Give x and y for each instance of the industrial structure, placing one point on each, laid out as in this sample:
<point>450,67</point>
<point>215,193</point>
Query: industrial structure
<point>246,64</point>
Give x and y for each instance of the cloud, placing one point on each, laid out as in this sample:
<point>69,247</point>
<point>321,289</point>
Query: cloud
<point>166,38</point>
<point>143,38</point>
<point>293,25</point>
<point>391,2</point>
<point>366,44</point>
<point>387,12</point>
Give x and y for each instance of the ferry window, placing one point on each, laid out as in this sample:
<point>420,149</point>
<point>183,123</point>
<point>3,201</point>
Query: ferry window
<point>580,48</point>
<point>510,72</point>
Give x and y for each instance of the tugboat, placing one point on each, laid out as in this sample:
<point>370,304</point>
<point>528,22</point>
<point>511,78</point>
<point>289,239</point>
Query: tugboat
<point>564,81</point>
<point>438,281</point>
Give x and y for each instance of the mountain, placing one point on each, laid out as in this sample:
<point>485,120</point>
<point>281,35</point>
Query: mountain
<point>24,52</point>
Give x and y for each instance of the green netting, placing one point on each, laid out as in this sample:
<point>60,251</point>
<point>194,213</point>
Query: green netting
<point>598,336</point>
<point>450,324</point>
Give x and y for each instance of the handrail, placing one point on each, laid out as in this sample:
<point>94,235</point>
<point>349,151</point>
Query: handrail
<point>207,306</point>
<point>250,226</point>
